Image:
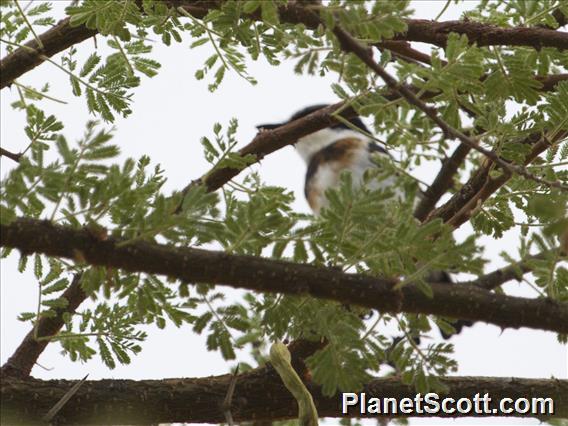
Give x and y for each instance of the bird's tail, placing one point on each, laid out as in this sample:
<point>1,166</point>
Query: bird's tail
<point>445,278</point>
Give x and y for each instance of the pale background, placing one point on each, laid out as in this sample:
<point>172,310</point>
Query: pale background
<point>170,113</point>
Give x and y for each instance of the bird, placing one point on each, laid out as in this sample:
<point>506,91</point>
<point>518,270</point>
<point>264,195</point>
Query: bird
<point>332,150</point>
<point>341,147</point>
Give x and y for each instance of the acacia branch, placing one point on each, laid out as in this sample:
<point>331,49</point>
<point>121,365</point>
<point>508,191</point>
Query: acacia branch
<point>482,34</point>
<point>444,180</point>
<point>514,271</point>
<point>21,362</point>
<point>62,36</point>
<point>560,18</point>
<point>481,186</point>
<point>349,44</point>
<point>269,141</point>
<point>54,40</point>
<point>549,82</point>
<point>272,276</point>
<point>11,155</point>
<point>259,395</point>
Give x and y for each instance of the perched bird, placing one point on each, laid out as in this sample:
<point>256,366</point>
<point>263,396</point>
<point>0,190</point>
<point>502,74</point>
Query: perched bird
<point>332,150</point>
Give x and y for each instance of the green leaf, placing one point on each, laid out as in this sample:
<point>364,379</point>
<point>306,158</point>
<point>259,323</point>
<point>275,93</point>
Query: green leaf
<point>269,12</point>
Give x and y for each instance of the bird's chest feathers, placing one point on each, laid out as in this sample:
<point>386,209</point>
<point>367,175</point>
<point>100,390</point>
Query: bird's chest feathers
<point>325,167</point>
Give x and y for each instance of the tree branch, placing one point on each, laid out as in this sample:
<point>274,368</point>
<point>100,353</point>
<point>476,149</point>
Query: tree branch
<point>195,400</point>
<point>444,180</point>
<point>269,141</point>
<point>349,44</point>
<point>480,186</point>
<point>514,271</point>
<point>10,155</point>
<point>54,40</point>
<point>436,33</point>
<point>24,358</point>
<point>62,36</point>
<point>550,81</point>
<point>266,275</point>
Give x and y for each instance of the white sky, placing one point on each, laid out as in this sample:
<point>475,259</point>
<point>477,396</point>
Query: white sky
<point>170,113</point>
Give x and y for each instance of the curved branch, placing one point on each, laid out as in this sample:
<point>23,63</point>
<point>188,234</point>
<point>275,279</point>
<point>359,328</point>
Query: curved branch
<point>266,275</point>
<point>199,400</point>
<point>21,362</point>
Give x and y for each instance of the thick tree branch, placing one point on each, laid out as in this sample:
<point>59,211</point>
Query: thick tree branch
<point>265,275</point>
<point>21,362</point>
<point>63,35</point>
<point>259,395</point>
<point>437,33</point>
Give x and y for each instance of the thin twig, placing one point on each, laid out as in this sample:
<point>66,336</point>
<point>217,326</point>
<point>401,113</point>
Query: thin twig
<point>35,92</point>
<point>28,23</point>
<point>55,409</point>
<point>500,276</point>
<point>229,397</point>
<point>442,182</point>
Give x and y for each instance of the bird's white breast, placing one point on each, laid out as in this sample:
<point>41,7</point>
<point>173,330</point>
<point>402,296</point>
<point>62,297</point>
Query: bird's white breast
<point>325,165</point>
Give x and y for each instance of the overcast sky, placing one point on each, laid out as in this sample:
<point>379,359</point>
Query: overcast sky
<point>170,114</point>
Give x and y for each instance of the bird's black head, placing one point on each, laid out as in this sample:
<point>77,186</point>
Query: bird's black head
<point>355,121</point>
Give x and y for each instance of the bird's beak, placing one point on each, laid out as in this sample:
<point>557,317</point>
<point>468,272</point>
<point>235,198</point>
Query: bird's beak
<point>269,126</point>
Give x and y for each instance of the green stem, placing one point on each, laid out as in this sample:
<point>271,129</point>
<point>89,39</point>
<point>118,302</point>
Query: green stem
<point>538,15</point>
<point>370,330</point>
<point>412,342</point>
<point>69,176</point>
<point>46,59</point>
<point>37,39</point>
<point>420,271</point>
<point>35,92</point>
<point>123,54</point>
<point>214,312</point>
<point>443,10</point>
<point>56,337</point>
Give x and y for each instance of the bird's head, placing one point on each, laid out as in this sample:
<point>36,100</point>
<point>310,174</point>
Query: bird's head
<point>308,145</point>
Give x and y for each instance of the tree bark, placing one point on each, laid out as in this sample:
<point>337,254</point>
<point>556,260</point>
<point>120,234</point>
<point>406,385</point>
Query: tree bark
<point>259,395</point>
<point>62,36</point>
<point>274,276</point>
